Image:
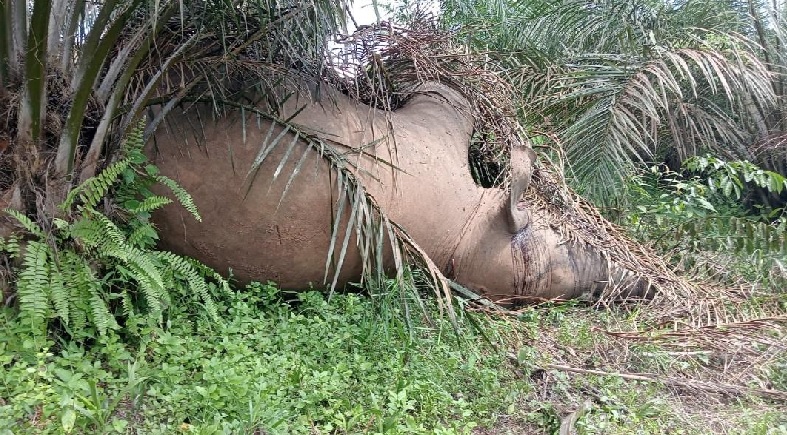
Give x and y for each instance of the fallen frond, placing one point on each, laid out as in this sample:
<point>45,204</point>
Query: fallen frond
<point>690,384</point>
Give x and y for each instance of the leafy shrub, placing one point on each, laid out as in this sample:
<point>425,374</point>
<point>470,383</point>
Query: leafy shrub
<point>698,217</point>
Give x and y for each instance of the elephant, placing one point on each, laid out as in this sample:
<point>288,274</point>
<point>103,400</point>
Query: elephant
<point>413,161</point>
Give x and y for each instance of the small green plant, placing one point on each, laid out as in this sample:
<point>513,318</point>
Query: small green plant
<point>731,178</point>
<point>88,272</point>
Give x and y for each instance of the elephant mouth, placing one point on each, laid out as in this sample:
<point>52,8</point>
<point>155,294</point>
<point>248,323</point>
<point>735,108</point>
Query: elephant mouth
<point>525,257</point>
<point>549,267</point>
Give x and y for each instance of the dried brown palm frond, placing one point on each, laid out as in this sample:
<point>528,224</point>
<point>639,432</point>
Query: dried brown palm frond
<point>771,152</point>
<point>382,64</point>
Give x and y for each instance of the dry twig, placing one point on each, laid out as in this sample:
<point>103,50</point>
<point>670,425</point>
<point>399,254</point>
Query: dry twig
<point>711,387</point>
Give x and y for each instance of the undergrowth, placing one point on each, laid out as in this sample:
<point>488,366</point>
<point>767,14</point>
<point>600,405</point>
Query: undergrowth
<point>352,365</point>
<point>319,367</point>
<point>706,221</point>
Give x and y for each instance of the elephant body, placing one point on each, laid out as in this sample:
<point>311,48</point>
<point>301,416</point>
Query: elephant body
<point>413,162</point>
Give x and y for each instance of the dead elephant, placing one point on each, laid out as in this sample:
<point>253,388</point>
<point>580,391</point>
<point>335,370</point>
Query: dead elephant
<point>413,162</point>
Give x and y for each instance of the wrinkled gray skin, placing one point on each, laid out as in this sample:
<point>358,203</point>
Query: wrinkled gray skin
<point>468,231</point>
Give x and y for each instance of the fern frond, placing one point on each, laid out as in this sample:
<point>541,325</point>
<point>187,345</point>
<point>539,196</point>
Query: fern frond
<point>88,232</point>
<point>87,292</point>
<point>78,317</point>
<point>142,233</point>
<point>138,264</point>
<point>111,232</point>
<point>181,195</point>
<point>144,272</point>
<point>32,285</point>
<point>101,317</point>
<point>149,204</point>
<point>135,139</point>
<point>151,290</point>
<point>27,223</point>
<point>79,279</point>
<point>59,294</point>
<point>82,290</point>
<point>195,281</point>
<point>11,246</point>
<point>206,271</point>
<point>127,304</point>
<point>94,188</point>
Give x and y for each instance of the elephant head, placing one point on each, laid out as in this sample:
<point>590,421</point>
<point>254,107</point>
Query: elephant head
<point>413,161</point>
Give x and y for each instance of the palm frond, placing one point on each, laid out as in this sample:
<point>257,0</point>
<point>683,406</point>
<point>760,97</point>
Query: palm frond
<point>682,100</point>
<point>627,81</point>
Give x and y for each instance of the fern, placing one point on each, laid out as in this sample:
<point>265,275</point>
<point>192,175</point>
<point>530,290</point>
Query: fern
<point>113,237</point>
<point>58,293</point>
<point>182,196</point>
<point>11,246</point>
<point>736,235</point>
<point>27,223</point>
<point>91,271</point>
<point>126,304</point>
<point>88,232</point>
<point>143,236</point>
<point>149,204</point>
<point>101,317</point>
<point>206,271</point>
<point>195,281</point>
<point>149,279</point>
<point>93,189</point>
<point>135,140</point>
<point>32,287</point>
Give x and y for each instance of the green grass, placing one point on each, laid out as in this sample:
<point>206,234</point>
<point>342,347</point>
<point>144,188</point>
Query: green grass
<point>319,367</point>
<point>353,365</point>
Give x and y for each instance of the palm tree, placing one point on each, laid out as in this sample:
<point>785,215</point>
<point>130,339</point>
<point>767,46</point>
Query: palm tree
<point>769,27</point>
<point>76,76</point>
<point>618,82</point>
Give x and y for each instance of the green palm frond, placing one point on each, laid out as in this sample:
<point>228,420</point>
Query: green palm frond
<point>622,82</point>
<point>682,100</point>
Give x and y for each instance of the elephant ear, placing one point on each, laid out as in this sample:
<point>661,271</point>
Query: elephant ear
<point>522,159</point>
